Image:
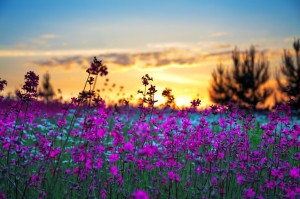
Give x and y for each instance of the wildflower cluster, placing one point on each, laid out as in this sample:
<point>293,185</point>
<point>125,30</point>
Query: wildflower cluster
<point>148,95</point>
<point>97,67</point>
<point>29,88</point>
<point>84,151</point>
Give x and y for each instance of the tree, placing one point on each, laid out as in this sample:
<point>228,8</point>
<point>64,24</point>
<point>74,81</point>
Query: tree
<point>219,91</point>
<point>290,69</point>
<point>47,91</point>
<point>244,82</point>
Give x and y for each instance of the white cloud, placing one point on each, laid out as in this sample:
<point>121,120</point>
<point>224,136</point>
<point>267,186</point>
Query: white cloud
<point>218,34</point>
<point>49,36</point>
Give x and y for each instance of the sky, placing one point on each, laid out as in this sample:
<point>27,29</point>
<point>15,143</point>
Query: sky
<point>178,43</point>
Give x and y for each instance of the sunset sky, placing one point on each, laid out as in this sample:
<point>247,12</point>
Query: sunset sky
<point>176,42</point>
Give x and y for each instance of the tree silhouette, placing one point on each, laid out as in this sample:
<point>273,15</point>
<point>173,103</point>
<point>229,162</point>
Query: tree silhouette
<point>290,69</point>
<point>170,99</point>
<point>244,83</point>
<point>219,91</point>
<point>47,92</point>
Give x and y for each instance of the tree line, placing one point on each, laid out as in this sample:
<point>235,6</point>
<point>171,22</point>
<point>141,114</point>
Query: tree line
<point>245,82</point>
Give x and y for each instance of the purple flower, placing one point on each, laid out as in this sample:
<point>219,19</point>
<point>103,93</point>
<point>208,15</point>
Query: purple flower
<point>2,196</point>
<point>250,193</point>
<point>140,194</point>
<point>195,103</point>
<point>54,153</point>
<point>171,175</point>
<point>275,172</point>
<point>214,181</point>
<point>128,146</point>
<point>114,170</point>
<point>240,179</point>
<point>97,68</point>
<point>113,157</point>
<point>294,172</point>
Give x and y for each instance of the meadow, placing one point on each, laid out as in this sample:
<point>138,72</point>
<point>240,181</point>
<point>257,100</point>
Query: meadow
<point>87,149</point>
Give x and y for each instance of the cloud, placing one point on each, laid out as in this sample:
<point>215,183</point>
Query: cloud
<point>168,45</point>
<point>43,39</point>
<point>122,59</point>
<point>221,46</point>
<point>175,79</point>
<point>151,59</point>
<point>66,63</point>
<point>55,53</point>
<point>49,36</point>
<point>39,41</point>
<point>218,34</point>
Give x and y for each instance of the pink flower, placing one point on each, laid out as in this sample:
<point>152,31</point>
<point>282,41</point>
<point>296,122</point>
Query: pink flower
<point>68,171</point>
<point>198,170</point>
<point>294,172</point>
<point>177,178</point>
<point>54,153</point>
<point>171,175</point>
<point>232,165</point>
<point>260,197</point>
<point>263,160</point>
<point>103,194</point>
<point>140,194</point>
<point>99,163</point>
<point>221,155</point>
<point>214,181</point>
<point>2,196</point>
<point>113,157</point>
<point>250,193</point>
<point>188,183</point>
<point>270,184</point>
<point>274,172</point>
<point>114,170</point>
<point>240,179</point>
<point>290,193</point>
<point>128,146</point>
<point>88,164</point>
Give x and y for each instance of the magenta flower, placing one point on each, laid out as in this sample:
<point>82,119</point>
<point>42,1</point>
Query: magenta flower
<point>114,170</point>
<point>128,146</point>
<point>2,196</point>
<point>68,171</point>
<point>250,193</point>
<point>198,170</point>
<point>275,172</point>
<point>54,153</point>
<point>240,179</point>
<point>89,164</point>
<point>260,197</point>
<point>140,194</point>
<point>103,194</point>
<point>113,157</point>
<point>171,175</point>
<point>99,163</point>
<point>294,172</point>
<point>214,181</point>
<point>290,194</point>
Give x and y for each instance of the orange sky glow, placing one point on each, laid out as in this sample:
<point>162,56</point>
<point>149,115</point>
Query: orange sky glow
<point>178,43</point>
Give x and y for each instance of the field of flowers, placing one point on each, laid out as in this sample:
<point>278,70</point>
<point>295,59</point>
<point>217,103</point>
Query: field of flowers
<point>85,149</point>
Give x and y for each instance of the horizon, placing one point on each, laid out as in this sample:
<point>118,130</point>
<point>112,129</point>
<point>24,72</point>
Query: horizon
<point>177,43</point>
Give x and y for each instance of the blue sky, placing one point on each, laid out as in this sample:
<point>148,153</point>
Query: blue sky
<point>34,31</point>
<point>134,24</point>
